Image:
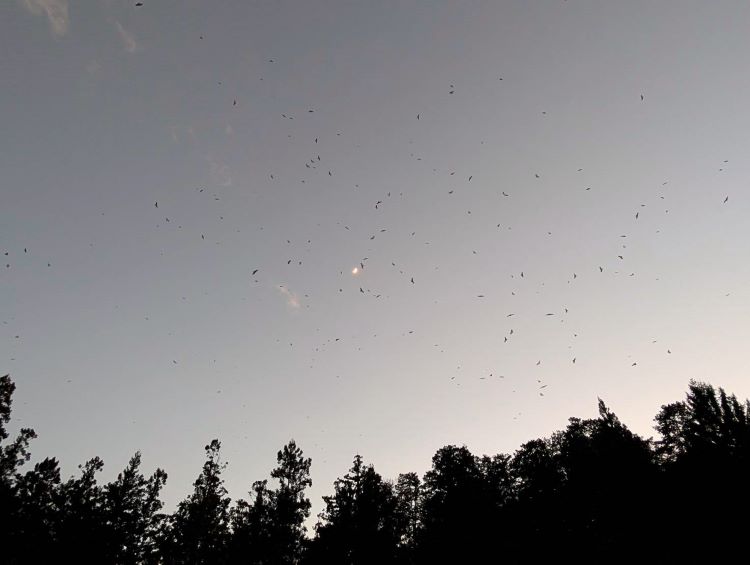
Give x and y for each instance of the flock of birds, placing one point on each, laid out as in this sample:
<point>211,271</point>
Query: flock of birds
<point>353,279</point>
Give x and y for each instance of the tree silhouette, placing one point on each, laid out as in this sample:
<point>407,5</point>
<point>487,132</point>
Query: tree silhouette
<point>593,490</point>
<point>608,476</point>
<point>16,453</point>
<point>360,522</point>
<point>705,449</point>
<point>131,503</point>
<point>83,531</point>
<point>253,528</point>
<point>14,528</point>
<point>291,506</point>
<point>198,531</point>
<point>270,528</point>
<point>457,514</point>
<point>37,523</point>
<point>408,492</point>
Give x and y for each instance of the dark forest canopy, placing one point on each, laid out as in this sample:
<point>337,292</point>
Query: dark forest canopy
<point>593,491</point>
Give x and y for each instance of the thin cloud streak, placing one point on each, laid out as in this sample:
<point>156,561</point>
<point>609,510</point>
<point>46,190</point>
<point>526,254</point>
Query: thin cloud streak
<point>55,10</point>
<point>292,300</point>
<point>128,40</point>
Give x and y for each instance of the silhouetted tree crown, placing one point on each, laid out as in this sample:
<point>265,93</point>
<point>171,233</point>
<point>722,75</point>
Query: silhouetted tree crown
<point>593,490</point>
<point>198,532</point>
<point>360,522</point>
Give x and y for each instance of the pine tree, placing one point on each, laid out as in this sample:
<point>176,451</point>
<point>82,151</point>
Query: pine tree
<point>291,506</point>
<point>198,532</point>
<point>131,503</point>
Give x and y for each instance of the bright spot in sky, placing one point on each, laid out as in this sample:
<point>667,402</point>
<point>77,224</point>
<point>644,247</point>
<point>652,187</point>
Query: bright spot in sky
<point>355,270</point>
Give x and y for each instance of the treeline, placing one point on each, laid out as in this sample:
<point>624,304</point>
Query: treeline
<point>594,491</point>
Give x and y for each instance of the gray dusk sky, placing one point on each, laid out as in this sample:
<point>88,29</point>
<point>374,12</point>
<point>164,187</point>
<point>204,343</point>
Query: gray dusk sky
<point>552,176</point>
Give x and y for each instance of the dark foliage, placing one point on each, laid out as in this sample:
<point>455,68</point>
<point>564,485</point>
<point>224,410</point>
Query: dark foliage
<point>360,523</point>
<point>591,492</point>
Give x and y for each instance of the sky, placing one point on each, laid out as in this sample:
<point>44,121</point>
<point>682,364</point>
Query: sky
<point>545,203</point>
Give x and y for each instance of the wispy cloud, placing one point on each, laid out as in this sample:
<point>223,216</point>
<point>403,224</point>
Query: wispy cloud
<point>55,10</point>
<point>128,39</point>
<point>292,300</point>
